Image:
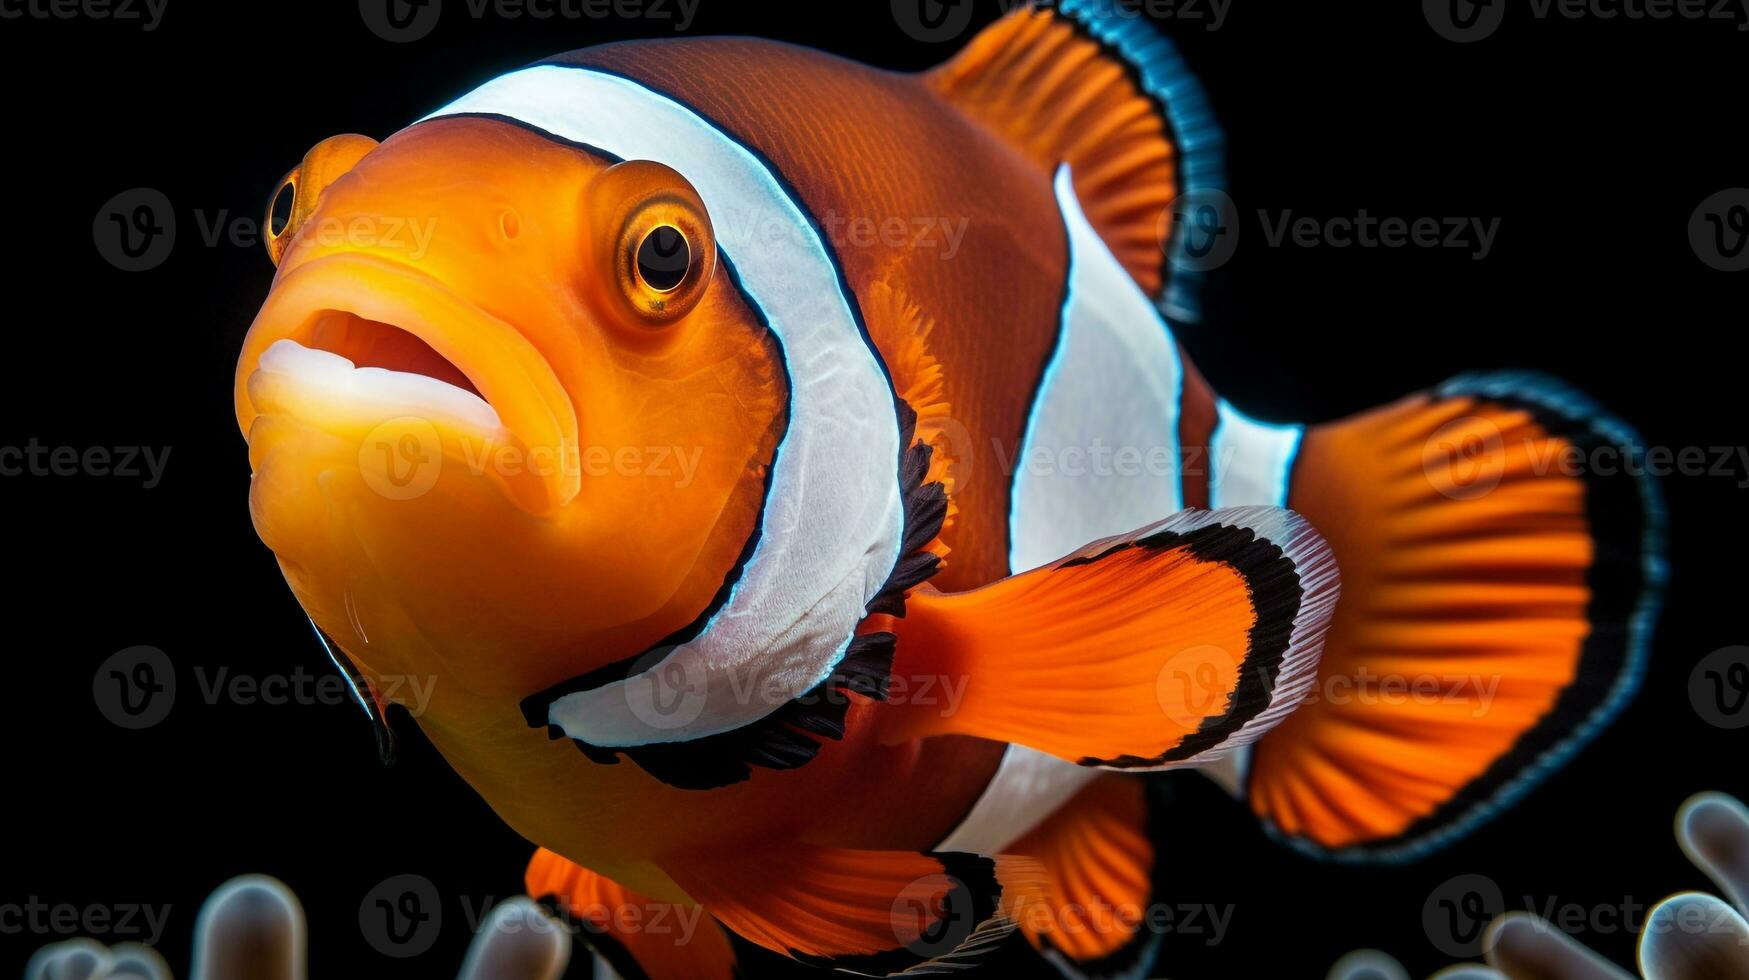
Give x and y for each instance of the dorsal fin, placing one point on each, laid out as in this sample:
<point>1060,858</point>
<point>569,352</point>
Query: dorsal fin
<point>1080,82</point>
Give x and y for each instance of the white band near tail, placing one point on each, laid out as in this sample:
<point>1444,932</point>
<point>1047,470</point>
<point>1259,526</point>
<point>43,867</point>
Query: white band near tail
<point>1028,786</point>
<point>822,555</point>
<point>1101,453</point>
<point>1251,462</point>
<point>1113,385</point>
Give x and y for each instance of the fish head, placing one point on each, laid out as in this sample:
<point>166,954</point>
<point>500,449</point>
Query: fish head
<point>509,416</point>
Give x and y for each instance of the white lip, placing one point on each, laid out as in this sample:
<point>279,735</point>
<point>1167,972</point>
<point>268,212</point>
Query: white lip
<point>339,380</point>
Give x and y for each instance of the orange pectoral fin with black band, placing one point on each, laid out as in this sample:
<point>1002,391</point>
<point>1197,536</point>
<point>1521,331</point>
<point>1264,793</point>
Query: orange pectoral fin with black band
<point>877,913</point>
<point>641,938</point>
<point>1166,647</point>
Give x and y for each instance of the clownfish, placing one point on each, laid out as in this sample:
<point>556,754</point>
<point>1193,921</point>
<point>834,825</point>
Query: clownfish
<point>765,561</point>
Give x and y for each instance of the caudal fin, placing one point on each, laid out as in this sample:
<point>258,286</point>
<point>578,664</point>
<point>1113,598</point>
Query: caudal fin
<point>1501,564</point>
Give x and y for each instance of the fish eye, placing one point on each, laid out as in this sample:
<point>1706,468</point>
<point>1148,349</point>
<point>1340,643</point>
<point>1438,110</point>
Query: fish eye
<point>296,194</point>
<point>663,258</point>
<point>283,215</point>
<point>279,208</point>
<point>656,239</point>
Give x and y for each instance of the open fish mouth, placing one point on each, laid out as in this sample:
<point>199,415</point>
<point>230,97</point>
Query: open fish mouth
<point>350,341</point>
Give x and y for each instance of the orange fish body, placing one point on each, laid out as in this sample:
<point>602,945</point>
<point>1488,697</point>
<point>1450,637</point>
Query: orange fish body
<point>785,476</point>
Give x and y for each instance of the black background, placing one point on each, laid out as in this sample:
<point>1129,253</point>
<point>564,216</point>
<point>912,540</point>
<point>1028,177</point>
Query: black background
<point>1593,141</point>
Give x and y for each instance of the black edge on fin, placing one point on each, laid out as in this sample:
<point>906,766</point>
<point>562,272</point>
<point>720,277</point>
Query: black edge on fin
<point>1627,582</point>
<point>975,898</point>
<point>1160,73</point>
<point>1276,592</point>
<point>1134,960</point>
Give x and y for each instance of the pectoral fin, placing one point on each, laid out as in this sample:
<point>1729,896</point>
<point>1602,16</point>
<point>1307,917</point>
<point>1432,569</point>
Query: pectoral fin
<point>1166,647</point>
<point>639,937</point>
<point>876,913</point>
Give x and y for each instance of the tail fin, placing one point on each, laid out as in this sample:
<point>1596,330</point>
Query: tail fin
<point>1501,564</point>
<point>1092,85</point>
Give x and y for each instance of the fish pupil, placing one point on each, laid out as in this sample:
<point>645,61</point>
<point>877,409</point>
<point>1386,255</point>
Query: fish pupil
<point>664,258</point>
